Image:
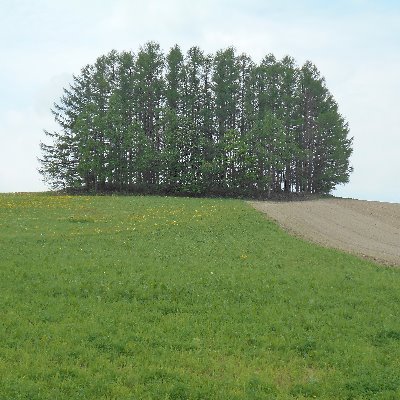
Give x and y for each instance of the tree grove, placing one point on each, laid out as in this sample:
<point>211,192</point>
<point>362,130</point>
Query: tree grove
<point>197,124</point>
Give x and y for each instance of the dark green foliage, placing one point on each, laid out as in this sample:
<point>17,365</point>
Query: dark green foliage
<point>197,124</point>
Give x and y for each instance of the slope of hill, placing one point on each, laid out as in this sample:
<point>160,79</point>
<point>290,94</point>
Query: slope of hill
<point>174,298</point>
<point>367,228</point>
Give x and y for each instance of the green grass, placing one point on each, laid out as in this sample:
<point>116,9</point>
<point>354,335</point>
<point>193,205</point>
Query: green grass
<point>173,298</point>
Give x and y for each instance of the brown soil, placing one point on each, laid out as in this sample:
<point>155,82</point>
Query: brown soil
<point>367,228</point>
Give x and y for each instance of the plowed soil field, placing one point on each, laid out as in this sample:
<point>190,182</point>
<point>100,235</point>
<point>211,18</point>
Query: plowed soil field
<point>367,228</point>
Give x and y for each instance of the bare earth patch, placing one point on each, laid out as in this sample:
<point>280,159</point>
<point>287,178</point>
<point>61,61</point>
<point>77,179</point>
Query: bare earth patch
<point>367,228</point>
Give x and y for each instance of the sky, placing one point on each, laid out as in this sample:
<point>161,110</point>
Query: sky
<point>354,43</point>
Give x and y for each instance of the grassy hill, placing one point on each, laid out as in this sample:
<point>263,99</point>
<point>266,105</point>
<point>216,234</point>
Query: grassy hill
<point>174,298</point>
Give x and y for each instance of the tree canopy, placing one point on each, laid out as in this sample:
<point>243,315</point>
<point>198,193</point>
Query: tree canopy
<point>197,124</point>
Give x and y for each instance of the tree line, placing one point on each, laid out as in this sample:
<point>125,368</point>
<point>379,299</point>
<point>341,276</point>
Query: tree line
<point>197,124</point>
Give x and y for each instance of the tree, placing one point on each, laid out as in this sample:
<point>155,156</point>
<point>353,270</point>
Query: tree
<point>61,163</point>
<point>244,112</point>
<point>226,77</point>
<point>175,80</point>
<point>148,91</point>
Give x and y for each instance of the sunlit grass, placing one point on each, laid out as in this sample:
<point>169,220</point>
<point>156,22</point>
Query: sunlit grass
<point>173,298</point>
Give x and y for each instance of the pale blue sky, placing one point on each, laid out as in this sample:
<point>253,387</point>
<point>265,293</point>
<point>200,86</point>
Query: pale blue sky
<point>354,43</point>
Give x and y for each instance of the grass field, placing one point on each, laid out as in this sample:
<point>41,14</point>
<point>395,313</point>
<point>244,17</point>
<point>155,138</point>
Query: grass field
<point>174,298</point>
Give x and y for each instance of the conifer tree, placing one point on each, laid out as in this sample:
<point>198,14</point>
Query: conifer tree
<point>226,77</point>
<point>148,90</point>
